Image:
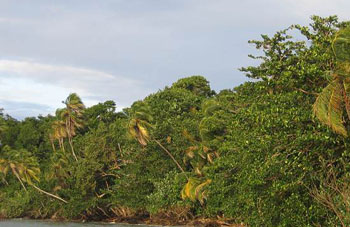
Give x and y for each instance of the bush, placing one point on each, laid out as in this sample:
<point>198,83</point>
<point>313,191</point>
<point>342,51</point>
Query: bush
<point>167,193</point>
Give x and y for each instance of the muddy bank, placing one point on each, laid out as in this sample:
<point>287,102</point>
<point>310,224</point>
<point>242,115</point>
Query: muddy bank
<point>168,221</point>
<point>145,220</point>
<point>177,216</point>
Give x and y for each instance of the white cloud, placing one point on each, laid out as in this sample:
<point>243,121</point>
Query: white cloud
<point>48,85</point>
<point>13,20</point>
<point>121,43</point>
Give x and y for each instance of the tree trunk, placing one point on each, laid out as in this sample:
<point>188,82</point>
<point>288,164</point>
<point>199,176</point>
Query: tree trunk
<point>71,145</point>
<point>120,149</point>
<point>171,156</point>
<point>5,181</point>
<point>16,174</point>
<point>49,194</point>
<point>53,145</point>
<point>60,141</point>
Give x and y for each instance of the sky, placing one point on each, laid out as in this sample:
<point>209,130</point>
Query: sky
<point>124,50</point>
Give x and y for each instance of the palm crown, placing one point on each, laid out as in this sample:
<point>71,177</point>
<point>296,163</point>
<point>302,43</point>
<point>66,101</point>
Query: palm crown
<point>21,164</point>
<point>329,105</point>
<point>139,125</point>
<point>73,114</point>
<point>69,119</point>
<point>24,166</point>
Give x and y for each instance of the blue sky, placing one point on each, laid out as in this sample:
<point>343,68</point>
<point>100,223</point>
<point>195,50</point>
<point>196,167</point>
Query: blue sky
<point>124,50</point>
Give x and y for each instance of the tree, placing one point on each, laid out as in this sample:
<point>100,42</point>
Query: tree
<point>196,84</point>
<point>72,116</point>
<point>272,147</point>
<point>329,104</point>
<point>59,133</point>
<point>29,133</point>
<point>24,167</point>
<point>201,153</point>
<point>101,112</point>
<point>3,126</point>
<point>139,125</point>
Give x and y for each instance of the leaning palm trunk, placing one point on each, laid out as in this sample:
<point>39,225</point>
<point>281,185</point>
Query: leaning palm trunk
<point>72,148</point>
<point>49,194</point>
<point>171,156</point>
<point>137,128</point>
<point>37,188</point>
<point>52,145</point>
<point>17,176</point>
<point>61,144</point>
<point>70,134</point>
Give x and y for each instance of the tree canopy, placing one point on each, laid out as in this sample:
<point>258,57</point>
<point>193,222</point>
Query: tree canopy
<point>270,152</point>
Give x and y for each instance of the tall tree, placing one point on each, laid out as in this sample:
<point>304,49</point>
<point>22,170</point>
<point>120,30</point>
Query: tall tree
<point>72,115</point>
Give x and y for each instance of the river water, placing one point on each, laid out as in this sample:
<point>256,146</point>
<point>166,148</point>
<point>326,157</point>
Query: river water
<point>39,223</point>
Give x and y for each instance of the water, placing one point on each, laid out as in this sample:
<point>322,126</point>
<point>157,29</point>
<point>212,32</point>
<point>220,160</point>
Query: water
<point>39,223</point>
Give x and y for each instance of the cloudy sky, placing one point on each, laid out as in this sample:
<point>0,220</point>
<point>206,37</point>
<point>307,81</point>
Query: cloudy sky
<point>126,49</point>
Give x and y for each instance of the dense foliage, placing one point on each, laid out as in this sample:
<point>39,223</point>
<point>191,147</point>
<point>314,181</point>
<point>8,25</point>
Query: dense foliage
<point>270,152</point>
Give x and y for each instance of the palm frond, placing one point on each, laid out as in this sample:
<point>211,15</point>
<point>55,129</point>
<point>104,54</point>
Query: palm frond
<point>139,124</point>
<point>346,86</point>
<point>328,107</point>
<point>341,45</point>
<point>194,189</point>
<point>210,106</point>
<point>200,193</point>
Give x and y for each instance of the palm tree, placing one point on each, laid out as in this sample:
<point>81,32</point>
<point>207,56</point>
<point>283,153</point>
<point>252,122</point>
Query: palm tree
<point>59,133</point>
<point>201,153</point>
<point>72,116</point>
<point>329,105</point>
<point>52,141</point>
<point>24,167</point>
<point>139,126</point>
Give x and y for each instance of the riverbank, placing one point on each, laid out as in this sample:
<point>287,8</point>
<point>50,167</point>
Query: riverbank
<point>139,221</point>
<point>47,223</point>
<point>170,222</point>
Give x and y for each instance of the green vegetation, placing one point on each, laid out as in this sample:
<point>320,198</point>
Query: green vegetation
<point>273,152</point>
